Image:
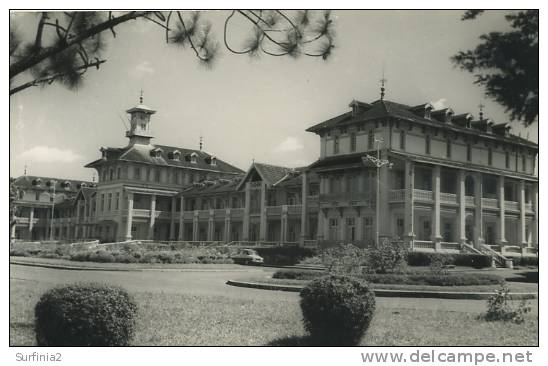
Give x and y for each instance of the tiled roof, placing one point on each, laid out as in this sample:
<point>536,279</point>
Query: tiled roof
<point>142,154</point>
<point>212,187</point>
<point>385,108</point>
<point>272,174</point>
<point>44,183</point>
<point>338,161</point>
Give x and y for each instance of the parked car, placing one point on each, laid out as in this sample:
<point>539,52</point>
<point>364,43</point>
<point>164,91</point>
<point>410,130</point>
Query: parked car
<point>247,256</point>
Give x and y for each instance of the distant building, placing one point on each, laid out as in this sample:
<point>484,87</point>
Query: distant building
<point>448,180</point>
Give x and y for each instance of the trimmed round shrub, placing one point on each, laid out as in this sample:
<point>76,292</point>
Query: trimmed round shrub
<point>337,310</point>
<point>85,315</point>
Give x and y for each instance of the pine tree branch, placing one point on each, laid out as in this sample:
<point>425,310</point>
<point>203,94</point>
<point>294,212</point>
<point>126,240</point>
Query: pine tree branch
<point>51,78</point>
<point>28,62</point>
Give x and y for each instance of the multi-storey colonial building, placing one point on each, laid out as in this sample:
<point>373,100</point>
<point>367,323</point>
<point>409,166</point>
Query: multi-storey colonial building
<point>447,181</point>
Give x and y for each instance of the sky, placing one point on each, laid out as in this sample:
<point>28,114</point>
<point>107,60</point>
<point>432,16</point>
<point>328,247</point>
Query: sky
<point>246,108</point>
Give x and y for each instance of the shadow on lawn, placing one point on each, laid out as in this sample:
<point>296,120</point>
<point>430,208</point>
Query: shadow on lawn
<point>526,277</point>
<point>301,341</point>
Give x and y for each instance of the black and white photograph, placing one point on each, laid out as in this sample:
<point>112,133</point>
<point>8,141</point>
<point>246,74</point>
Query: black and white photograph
<point>275,178</point>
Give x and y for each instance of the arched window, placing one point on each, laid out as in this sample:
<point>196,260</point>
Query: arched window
<point>193,158</point>
<point>427,144</point>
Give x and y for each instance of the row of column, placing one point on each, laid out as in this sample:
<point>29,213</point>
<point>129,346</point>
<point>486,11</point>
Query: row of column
<point>478,208</point>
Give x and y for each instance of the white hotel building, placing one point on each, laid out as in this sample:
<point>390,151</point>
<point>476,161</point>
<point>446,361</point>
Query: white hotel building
<point>454,183</point>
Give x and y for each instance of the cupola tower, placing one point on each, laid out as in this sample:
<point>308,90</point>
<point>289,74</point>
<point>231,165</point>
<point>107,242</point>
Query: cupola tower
<point>139,131</point>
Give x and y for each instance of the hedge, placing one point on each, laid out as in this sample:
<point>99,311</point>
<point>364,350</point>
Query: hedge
<point>465,260</point>
<point>284,255</point>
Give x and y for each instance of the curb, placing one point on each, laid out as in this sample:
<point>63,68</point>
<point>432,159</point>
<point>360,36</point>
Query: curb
<point>395,293</point>
<point>76,268</point>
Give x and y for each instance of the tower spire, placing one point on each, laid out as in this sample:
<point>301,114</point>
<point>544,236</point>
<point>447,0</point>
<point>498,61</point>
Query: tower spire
<point>141,97</point>
<point>481,106</point>
<point>25,173</point>
<point>201,142</point>
<point>383,81</point>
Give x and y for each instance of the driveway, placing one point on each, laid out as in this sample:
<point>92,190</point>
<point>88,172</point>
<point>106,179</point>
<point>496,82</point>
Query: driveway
<point>212,283</point>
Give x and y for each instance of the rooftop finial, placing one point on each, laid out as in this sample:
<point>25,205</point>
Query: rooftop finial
<point>383,81</point>
<point>141,97</point>
<point>201,143</point>
<point>481,106</point>
<point>25,173</point>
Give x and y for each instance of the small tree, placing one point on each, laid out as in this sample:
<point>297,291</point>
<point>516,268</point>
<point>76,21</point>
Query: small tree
<point>387,257</point>
<point>344,259</point>
<point>499,307</point>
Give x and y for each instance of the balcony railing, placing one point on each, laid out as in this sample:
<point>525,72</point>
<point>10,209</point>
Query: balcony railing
<point>273,210</point>
<point>220,212</point>
<point>396,195</point>
<point>511,205</point>
<point>236,212</point>
<point>490,202</point>
<point>139,212</point>
<point>448,197</point>
<point>423,244</point>
<point>470,200</point>
<point>188,215</point>
<point>203,214</point>
<point>345,197</point>
<point>450,246</point>
<point>294,209</point>
<point>421,195</point>
<point>529,207</point>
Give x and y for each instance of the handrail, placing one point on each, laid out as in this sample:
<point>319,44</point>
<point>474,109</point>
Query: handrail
<point>469,247</point>
<point>498,257</point>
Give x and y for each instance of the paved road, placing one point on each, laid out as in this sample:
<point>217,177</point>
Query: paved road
<point>212,283</point>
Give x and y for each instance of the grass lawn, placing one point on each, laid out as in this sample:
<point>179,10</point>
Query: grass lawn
<point>215,320</point>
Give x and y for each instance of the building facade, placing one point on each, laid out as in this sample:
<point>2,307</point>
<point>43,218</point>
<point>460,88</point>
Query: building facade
<point>437,180</point>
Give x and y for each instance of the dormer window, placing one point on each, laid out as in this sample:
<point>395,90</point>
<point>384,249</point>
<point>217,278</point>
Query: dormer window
<point>156,153</point>
<point>213,161</point>
<point>193,158</point>
<point>176,155</point>
<point>37,182</point>
<point>66,185</point>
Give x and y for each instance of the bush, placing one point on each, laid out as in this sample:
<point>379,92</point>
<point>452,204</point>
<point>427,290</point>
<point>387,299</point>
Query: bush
<point>19,253</point>
<point>499,307</point>
<point>337,310</point>
<point>466,260</point>
<point>85,315</point>
<point>387,257</point>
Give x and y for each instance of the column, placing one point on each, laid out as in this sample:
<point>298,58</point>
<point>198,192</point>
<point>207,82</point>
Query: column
<point>534,197</point>
<point>211,225</point>
<point>478,213</point>
<point>409,218</point>
<point>31,223</point>
<point>384,207</point>
<point>522,237</point>
<point>227,226</point>
<point>461,222</point>
<point>129,215</point>
<point>263,218</point>
<point>152,217</point>
<point>304,208</point>
<point>12,233</point>
<point>501,240</point>
<point>173,215</point>
<point>195,226</point>
<point>283,224</point>
<point>181,218</point>
<point>320,226</point>
<point>436,180</point>
<point>247,207</point>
